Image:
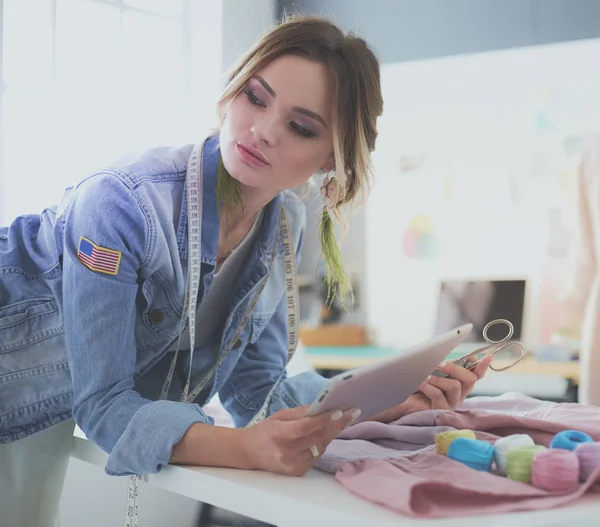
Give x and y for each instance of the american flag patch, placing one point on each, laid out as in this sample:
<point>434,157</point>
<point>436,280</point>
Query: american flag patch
<point>98,258</point>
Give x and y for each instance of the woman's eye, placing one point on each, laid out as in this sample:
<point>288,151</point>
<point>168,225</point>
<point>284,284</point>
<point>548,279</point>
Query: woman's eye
<point>253,98</point>
<point>302,130</point>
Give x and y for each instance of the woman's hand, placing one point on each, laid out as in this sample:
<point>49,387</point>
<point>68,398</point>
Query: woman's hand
<point>445,393</point>
<point>285,442</point>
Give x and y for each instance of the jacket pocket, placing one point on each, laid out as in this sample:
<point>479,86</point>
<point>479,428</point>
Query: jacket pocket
<point>21,311</point>
<point>158,310</point>
<point>27,322</point>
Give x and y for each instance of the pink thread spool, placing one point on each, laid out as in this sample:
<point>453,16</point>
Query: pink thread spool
<point>556,470</point>
<point>589,459</point>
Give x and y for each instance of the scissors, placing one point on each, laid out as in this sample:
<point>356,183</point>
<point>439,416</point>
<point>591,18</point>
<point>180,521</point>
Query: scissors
<point>472,359</point>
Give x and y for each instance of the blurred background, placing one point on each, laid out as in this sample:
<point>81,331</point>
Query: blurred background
<point>487,107</point>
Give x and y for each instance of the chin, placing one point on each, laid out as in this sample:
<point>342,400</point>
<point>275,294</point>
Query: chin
<point>240,171</point>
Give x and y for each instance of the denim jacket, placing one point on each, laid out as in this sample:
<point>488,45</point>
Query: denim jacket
<point>89,335</point>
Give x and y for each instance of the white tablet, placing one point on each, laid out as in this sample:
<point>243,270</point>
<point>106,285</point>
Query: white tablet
<point>388,382</point>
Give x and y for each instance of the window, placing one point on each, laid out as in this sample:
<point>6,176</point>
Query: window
<point>86,81</point>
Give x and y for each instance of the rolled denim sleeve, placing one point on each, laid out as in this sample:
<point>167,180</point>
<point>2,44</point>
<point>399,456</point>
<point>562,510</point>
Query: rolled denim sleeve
<point>99,319</point>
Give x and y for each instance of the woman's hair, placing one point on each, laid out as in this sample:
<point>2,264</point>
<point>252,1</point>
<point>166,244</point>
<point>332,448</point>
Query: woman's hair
<point>357,100</point>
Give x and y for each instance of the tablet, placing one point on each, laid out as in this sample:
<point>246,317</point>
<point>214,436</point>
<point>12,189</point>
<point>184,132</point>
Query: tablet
<point>388,382</point>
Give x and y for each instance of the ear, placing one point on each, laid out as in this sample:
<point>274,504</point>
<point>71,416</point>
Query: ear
<point>329,165</point>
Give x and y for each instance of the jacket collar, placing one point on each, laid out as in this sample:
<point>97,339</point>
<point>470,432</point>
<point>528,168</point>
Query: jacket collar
<point>210,213</point>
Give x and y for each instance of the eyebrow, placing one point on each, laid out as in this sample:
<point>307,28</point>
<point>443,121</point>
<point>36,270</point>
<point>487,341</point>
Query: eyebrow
<point>304,111</point>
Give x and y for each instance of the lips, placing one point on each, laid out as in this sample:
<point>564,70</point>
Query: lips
<point>251,155</point>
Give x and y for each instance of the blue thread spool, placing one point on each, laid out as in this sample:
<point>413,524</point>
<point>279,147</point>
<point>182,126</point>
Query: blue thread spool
<point>570,439</point>
<point>474,453</point>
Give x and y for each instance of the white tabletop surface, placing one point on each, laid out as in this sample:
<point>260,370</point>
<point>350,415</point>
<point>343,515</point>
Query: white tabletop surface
<point>318,500</point>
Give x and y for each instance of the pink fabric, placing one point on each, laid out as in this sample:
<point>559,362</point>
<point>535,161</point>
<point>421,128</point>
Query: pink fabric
<point>395,465</point>
<point>430,485</point>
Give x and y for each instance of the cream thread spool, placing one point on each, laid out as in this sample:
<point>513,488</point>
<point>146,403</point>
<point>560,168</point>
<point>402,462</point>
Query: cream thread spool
<point>443,440</point>
<point>505,444</point>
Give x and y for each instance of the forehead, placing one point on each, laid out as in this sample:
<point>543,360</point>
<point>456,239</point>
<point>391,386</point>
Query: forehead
<point>297,81</point>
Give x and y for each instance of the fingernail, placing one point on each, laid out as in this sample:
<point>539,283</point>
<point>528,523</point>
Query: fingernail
<point>428,377</point>
<point>443,364</point>
<point>356,414</point>
<point>337,415</point>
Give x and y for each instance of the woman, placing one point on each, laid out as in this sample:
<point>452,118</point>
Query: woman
<point>95,293</point>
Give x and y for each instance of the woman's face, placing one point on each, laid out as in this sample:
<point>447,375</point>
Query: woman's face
<point>277,131</point>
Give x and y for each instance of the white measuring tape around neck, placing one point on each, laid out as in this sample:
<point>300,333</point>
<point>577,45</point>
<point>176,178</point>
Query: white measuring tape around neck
<point>194,204</point>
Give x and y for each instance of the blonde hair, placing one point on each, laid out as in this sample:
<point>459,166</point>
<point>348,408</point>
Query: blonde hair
<point>358,103</point>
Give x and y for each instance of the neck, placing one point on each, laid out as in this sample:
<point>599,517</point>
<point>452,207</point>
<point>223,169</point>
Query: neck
<point>254,201</point>
<point>240,206</point>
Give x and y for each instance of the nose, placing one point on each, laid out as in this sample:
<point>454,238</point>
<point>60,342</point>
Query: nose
<point>265,130</point>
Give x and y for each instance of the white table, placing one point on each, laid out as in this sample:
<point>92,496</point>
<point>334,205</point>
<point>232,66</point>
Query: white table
<point>317,499</point>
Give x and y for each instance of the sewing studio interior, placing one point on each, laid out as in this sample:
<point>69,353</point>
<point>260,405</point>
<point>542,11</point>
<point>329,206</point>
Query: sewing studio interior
<point>295,263</point>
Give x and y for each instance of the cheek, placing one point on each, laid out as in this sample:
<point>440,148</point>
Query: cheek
<point>237,116</point>
<point>304,159</point>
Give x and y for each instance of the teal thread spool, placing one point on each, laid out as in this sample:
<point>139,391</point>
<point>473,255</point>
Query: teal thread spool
<point>519,461</point>
<point>570,439</point>
<point>474,453</point>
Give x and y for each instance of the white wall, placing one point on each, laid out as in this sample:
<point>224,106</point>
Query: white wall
<point>243,22</point>
<point>494,135</point>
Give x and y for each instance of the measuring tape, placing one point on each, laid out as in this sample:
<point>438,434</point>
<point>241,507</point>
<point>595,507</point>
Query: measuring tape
<point>194,201</point>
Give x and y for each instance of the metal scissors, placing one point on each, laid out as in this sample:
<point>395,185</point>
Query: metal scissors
<point>472,359</point>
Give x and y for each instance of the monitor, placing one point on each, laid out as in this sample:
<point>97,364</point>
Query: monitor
<point>479,302</point>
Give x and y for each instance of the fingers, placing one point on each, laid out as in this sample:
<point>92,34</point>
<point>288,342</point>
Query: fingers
<point>444,393</point>
<point>323,436</point>
<point>297,455</point>
<point>289,442</point>
<point>459,373</point>
<point>317,450</point>
<point>307,426</point>
<point>449,392</point>
<point>482,367</point>
<point>435,395</point>
<point>290,414</point>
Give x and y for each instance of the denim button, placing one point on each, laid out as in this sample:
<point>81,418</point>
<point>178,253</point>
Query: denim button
<point>156,316</point>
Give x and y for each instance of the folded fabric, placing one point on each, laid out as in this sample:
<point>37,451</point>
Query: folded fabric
<point>427,484</point>
<point>395,464</point>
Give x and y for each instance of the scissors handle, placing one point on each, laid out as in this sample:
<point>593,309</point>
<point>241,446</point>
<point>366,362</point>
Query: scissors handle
<point>511,330</point>
<point>472,359</point>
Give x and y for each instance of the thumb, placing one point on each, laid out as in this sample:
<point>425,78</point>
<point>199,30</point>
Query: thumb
<point>482,367</point>
<point>290,414</point>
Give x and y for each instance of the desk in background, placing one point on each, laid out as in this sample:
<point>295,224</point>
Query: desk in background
<point>332,359</point>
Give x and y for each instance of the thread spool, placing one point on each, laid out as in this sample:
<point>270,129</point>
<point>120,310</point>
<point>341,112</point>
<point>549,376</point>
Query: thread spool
<point>519,460</point>
<point>443,440</point>
<point>570,439</point>
<point>556,470</point>
<point>476,454</point>
<point>505,444</point>
<point>589,459</point>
